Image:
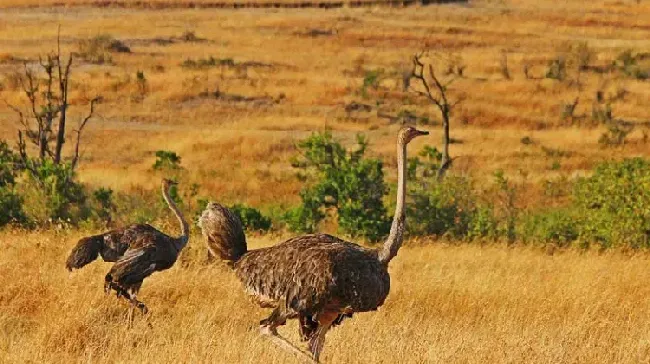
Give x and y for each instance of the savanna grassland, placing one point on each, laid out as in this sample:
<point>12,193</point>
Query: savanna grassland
<point>448,304</point>
<point>232,91</point>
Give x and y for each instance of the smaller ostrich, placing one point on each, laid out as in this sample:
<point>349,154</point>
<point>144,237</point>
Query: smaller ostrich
<point>318,279</point>
<point>137,250</point>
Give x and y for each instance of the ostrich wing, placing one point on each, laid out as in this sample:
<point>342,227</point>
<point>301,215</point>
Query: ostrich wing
<point>134,266</point>
<point>116,242</point>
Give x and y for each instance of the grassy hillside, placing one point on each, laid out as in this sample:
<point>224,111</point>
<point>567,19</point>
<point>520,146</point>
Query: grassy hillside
<point>231,91</point>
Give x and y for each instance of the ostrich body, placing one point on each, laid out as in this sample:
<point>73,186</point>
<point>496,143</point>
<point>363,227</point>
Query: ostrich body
<point>319,279</point>
<point>110,245</point>
<point>137,250</point>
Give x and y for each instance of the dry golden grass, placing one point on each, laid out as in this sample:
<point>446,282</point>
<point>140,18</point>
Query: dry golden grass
<point>448,304</point>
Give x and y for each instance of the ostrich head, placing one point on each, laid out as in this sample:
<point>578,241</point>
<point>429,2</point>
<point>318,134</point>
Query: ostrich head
<point>408,133</point>
<point>167,183</point>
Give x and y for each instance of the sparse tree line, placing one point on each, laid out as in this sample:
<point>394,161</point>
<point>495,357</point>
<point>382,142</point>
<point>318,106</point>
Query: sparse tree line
<point>38,184</point>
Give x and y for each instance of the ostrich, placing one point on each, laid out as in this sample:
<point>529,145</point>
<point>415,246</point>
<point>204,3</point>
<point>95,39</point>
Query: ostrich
<point>318,278</point>
<point>227,236</point>
<point>137,250</point>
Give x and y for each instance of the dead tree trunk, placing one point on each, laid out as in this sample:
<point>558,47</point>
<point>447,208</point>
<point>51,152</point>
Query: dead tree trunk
<point>63,77</point>
<point>445,161</point>
<point>435,91</point>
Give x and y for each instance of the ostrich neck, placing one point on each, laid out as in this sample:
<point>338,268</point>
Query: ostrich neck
<point>394,241</point>
<point>185,230</point>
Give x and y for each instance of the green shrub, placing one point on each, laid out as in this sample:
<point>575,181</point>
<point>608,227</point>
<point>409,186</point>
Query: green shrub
<point>306,217</point>
<point>505,196</point>
<point>8,165</point>
<point>103,197</point>
<point>251,218</point>
<point>443,208</point>
<point>560,226</point>
<point>343,180</point>
<point>483,224</point>
<point>614,204</point>
<point>11,207</point>
<point>52,194</point>
<point>167,160</point>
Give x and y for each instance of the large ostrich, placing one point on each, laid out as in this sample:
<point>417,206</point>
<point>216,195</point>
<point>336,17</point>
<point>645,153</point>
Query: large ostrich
<point>138,250</point>
<point>319,279</point>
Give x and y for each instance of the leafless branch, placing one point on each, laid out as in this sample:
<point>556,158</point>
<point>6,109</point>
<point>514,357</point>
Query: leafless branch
<point>435,90</point>
<point>80,129</point>
<point>63,78</point>
<point>21,116</point>
<point>24,158</point>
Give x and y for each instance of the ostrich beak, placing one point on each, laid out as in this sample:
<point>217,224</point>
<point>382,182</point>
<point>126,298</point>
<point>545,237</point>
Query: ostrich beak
<point>422,132</point>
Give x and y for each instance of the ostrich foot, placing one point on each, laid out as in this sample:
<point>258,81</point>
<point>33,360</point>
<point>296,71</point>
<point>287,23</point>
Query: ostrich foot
<point>140,306</point>
<point>272,334</point>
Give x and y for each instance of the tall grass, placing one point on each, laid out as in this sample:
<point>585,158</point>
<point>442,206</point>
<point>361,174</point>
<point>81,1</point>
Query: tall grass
<point>448,304</point>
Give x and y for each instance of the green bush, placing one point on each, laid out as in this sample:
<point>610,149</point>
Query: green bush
<point>306,217</point>
<point>11,205</point>
<point>103,198</point>
<point>614,204</point>
<point>443,208</point>
<point>251,218</point>
<point>343,180</point>
<point>167,160</point>
<point>483,224</point>
<point>8,165</point>
<point>559,226</point>
<point>52,194</point>
<point>505,196</point>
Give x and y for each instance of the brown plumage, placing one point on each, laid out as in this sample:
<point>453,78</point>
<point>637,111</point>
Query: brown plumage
<point>110,245</point>
<point>319,279</point>
<point>137,250</point>
<point>226,239</point>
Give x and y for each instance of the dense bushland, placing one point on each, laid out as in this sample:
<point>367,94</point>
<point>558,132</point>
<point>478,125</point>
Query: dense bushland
<point>609,208</point>
<point>345,187</point>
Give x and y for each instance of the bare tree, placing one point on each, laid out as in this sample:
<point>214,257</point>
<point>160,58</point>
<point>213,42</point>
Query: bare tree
<point>43,123</point>
<point>435,90</point>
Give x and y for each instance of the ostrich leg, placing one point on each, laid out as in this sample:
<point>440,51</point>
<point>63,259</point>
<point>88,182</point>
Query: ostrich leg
<point>132,297</point>
<point>317,341</point>
<point>268,329</point>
